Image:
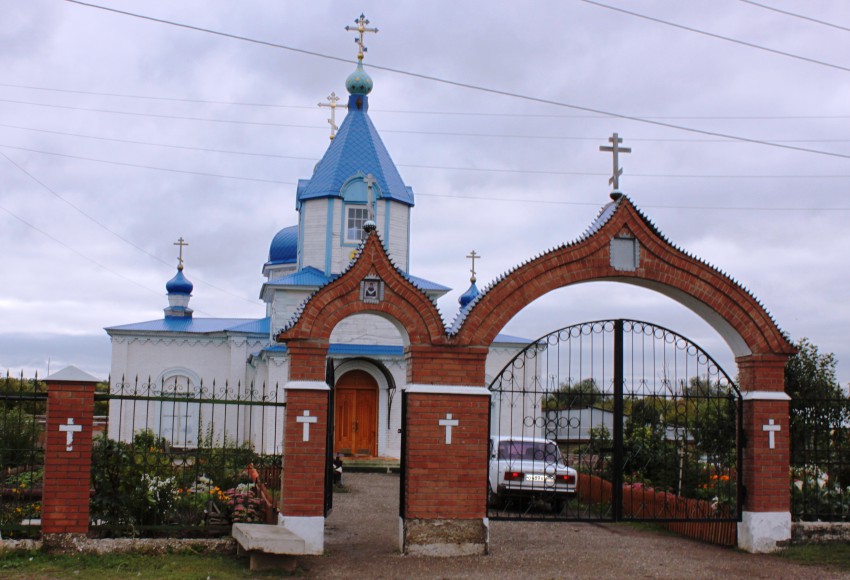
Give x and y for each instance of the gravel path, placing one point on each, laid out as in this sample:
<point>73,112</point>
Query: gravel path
<point>361,541</point>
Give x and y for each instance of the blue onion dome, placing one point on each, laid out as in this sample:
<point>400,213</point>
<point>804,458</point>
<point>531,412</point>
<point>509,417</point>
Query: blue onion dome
<point>469,295</point>
<point>359,82</point>
<point>284,246</point>
<point>179,284</point>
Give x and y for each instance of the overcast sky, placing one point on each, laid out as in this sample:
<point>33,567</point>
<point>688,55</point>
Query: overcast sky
<point>119,134</point>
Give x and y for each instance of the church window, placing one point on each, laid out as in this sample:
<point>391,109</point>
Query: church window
<point>179,414</point>
<point>356,217</point>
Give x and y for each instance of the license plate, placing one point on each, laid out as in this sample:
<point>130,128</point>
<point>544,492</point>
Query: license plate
<point>536,477</point>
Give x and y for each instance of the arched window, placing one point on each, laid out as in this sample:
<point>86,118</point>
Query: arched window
<point>178,421</point>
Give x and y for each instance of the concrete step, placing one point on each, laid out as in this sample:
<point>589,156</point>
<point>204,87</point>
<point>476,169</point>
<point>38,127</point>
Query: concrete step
<point>371,465</point>
<point>268,547</point>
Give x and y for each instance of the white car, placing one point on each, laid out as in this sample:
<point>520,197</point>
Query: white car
<point>529,468</point>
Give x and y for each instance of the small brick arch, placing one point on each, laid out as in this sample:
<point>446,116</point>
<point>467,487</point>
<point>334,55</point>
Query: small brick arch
<point>718,299</point>
<point>403,303</point>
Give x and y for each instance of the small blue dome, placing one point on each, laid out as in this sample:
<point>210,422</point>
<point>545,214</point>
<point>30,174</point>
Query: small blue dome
<point>284,247</point>
<point>179,284</point>
<point>469,295</point>
<point>359,82</point>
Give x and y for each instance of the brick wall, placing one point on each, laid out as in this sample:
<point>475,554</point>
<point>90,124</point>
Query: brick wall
<point>67,474</point>
<point>304,461</point>
<point>446,481</point>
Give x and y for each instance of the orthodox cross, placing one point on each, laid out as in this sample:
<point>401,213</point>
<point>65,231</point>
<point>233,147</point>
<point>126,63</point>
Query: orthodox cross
<point>180,242</point>
<point>306,419</point>
<point>615,148</point>
<point>69,431</point>
<point>473,255</point>
<point>771,429</point>
<point>448,423</point>
<point>332,105</point>
<point>370,181</point>
<point>361,29</point>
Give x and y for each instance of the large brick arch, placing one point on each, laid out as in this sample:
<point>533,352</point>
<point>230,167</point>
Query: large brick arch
<point>403,304</point>
<point>719,300</point>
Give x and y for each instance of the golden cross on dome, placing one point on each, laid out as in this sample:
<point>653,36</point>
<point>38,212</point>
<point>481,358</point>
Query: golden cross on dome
<point>332,105</point>
<point>180,242</point>
<point>361,29</point>
<point>615,148</point>
<point>473,256</point>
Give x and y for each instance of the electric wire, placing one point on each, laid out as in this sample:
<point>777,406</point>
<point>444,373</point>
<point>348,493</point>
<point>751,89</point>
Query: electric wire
<point>712,35</point>
<point>796,15</point>
<point>470,86</point>
<point>421,112</point>
<point>106,227</point>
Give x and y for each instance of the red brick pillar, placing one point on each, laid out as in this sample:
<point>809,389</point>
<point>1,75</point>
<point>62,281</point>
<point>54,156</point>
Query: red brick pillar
<point>766,518</point>
<point>445,463</point>
<point>67,458</point>
<point>302,509</point>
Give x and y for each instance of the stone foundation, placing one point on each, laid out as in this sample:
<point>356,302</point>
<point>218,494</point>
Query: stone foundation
<point>421,537</point>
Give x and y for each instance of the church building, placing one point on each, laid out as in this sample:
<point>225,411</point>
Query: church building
<point>354,187</point>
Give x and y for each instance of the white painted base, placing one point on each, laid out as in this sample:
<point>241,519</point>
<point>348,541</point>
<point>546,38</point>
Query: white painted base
<point>759,532</point>
<point>311,529</point>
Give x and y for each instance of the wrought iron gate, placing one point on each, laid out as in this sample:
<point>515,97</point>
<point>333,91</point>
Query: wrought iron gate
<point>646,426</point>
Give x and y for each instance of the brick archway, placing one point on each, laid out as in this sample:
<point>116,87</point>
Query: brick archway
<point>446,370</point>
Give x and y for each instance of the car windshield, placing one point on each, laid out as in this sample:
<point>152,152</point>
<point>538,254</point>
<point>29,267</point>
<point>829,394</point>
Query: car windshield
<point>532,450</point>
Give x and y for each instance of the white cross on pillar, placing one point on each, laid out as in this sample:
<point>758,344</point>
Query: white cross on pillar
<point>307,419</point>
<point>448,423</point>
<point>771,429</point>
<point>69,430</point>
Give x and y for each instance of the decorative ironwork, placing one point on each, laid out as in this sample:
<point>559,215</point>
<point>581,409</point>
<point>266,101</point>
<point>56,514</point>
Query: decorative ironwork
<point>23,404</point>
<point>184,457</point>
<point>649,421</point>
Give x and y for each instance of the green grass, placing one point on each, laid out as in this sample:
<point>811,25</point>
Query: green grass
<point>174,566</point>
<point>836,554</point>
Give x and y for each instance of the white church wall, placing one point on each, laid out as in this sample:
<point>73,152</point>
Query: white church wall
<point>366,329</point>
<point>314,224</point>
<point>513,412</point>
<point>283,306</point>
<point>399,235</point>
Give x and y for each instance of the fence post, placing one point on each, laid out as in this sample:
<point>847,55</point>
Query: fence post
<point>67,459</point>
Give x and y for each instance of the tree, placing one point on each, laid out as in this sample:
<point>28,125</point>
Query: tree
<point>582,394</point>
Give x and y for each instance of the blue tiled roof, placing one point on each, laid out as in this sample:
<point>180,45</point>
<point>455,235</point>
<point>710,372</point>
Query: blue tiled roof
<point>356,149</point>
<point>509,338</point>
<point>198,325</point>
<point>308,276</point>
<point>427,285</point>
<point>284,246</point>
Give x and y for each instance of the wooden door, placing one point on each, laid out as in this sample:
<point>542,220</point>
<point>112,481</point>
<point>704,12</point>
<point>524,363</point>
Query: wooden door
<point>356,414</point>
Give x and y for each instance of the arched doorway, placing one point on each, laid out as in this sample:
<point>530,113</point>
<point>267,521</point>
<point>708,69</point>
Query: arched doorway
<point>356,414</point>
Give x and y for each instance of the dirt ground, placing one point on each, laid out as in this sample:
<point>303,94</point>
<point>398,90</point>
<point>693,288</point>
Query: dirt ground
<point>361,541</point>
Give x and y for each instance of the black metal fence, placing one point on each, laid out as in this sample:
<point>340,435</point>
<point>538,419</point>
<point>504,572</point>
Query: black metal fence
<point>648,420</point>
<point>23,404</point>
<point>820,459</point>
<point>186,459</point>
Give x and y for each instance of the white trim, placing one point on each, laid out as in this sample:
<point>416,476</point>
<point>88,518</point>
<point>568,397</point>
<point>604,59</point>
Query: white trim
<point>765,396</point>
<point>310,529</point>
<point>762,532</point>
<point>307,386</point>
<point>447,390</point>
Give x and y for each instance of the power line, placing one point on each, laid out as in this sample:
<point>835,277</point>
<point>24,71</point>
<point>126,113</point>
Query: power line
<point>471,86</point>
<point>795,15</point>
<point>411,166</point>
<point>652,206</point>
<point>108,229</point>
<point>420,112</point>
<point>712,35</point>
<point>407,132</point>
<point>139,166</point>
